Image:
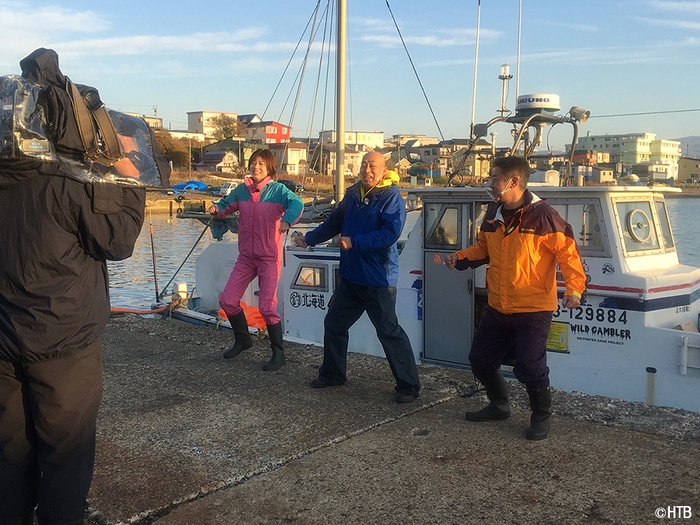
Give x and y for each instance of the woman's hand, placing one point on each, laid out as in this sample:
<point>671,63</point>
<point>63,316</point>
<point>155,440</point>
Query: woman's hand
<point>213,209</point>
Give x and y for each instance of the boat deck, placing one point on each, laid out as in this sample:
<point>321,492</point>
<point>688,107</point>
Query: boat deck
<point>186,437</point>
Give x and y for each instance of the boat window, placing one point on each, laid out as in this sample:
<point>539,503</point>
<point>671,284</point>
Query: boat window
<point>311,277</point>
<point>479,212</point>
<point>636,221</point>
<point>442,225</point>
<point>665,225</point>
<point>584,216</point>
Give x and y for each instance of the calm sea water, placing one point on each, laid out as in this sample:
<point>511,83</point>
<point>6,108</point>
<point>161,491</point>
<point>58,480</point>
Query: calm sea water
<point>132,283</point>
<point>684,214</point>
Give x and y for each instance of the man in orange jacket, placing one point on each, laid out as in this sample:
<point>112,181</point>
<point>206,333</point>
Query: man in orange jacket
<point>522,238</point>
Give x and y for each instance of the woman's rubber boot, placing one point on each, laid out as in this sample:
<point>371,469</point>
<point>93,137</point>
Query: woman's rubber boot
<point>240,332</point>
<point>278,359</point>
<point>497,392</point>
<point>541,404</point>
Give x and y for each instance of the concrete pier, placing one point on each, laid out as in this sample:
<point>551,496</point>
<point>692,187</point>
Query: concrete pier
<point>186,437</point>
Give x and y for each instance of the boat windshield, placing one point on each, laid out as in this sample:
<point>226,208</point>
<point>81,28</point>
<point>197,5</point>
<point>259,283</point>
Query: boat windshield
<point>584,217</point>
<point>638,227</point>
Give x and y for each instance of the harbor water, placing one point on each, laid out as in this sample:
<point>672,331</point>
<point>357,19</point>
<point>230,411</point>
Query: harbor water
<point>132,283</point>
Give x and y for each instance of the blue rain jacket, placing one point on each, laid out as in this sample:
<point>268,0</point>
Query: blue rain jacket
<point>374,225</point>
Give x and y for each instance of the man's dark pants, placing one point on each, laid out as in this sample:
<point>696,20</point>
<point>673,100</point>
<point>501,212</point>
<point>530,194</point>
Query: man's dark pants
<point>48,414</point>
<point>347,305</point>
<point>498,332</point>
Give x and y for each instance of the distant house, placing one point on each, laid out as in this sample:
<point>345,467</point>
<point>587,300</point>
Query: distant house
<point>218,161</point>
<point>199,137</point>
<point>250,118</point>
<point>602,175</point>
<point>291,157</point>
<point>594,174</point>
<point>152,122</point>
<point>591,157</point>
<point>372,139</point>
<point>203,121</point>
<point>689,170</point>
<point>239,146</point>
<point>267,132</point>
<point>322,159</point>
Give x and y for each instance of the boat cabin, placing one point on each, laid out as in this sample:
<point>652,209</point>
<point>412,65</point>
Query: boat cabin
<point>633,337</point>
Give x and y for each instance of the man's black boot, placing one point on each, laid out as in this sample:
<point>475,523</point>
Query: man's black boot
<point>541,404</point>
<point>243,340</point>
<point>276,342</point>
<point>497,392</point>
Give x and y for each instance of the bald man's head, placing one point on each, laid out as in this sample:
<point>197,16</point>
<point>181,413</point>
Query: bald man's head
<point>372,169</point>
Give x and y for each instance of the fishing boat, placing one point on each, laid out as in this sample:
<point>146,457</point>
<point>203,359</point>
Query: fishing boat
<point>633,337</point>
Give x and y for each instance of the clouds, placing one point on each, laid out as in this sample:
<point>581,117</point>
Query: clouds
<point>25,27</point>
<point>672,6</point>
<point>230,55</point>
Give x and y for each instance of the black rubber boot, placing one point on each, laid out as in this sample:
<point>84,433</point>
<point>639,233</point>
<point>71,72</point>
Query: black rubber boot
<point>497,392</point>
<point>276,342</point>
<point>541,404</point>
<point>240,331</point>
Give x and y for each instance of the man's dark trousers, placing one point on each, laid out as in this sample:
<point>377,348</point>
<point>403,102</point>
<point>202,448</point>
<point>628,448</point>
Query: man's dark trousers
<point>347,305</point>
<point>495,336</point>
<point>48,414</point>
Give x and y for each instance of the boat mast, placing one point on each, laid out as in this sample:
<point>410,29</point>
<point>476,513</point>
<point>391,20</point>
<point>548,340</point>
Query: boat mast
<point>517,66</point>
<point>340,102</point>
<point>476,65</point>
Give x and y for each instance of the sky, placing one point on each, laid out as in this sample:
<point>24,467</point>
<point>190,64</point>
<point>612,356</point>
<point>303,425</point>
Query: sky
<point>173,57</point>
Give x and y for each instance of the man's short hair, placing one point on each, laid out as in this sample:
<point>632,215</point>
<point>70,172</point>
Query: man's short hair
<point>513,166</point>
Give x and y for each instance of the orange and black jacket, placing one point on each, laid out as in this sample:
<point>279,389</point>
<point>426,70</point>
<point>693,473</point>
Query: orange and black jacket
<point>522,257</point>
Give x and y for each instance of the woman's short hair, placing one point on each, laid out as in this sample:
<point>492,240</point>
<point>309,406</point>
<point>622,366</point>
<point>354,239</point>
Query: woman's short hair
<point>267,157</point>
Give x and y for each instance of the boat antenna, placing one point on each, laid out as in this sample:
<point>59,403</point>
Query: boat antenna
<point>414,70</point>
<point>476,65</point>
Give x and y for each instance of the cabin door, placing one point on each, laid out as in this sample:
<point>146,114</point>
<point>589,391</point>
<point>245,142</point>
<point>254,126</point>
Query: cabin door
<point>448,295</point>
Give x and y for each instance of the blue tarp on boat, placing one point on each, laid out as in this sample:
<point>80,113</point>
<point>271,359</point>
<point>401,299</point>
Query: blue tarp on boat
<point>191,185</point>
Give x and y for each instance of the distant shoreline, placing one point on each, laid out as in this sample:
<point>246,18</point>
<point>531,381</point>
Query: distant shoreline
<point>688,191</point>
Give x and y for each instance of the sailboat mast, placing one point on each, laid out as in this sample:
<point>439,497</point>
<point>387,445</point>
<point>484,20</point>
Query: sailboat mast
<point>476,66</point>
<point>517,67</point>
<point>340,101</point>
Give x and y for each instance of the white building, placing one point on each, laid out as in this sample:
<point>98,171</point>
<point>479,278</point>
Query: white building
<point>291,157</point>
<point>372,139</point>
<point>203,121</point>
<point>632,148</point>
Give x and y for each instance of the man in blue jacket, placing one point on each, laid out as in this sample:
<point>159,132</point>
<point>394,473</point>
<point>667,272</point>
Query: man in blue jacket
<point>369,219</point>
